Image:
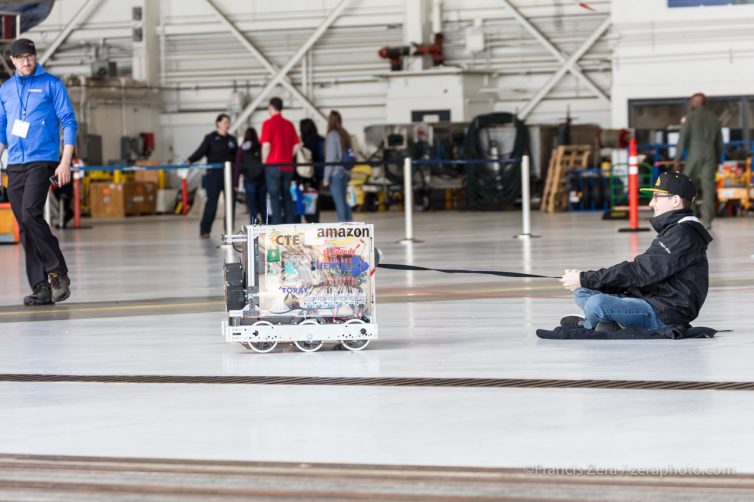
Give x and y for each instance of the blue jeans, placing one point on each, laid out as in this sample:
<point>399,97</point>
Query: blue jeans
<point>278,186</point>
<point>256,199</point>
<point>626,311</point>
<point>338,187</point>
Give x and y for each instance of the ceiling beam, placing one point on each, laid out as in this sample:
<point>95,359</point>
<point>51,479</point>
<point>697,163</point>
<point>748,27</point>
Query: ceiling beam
<point>293,61</point>
<point>272,68</point>
<point>85,10</point>
<point>588,43</point>
<point>572,66</point>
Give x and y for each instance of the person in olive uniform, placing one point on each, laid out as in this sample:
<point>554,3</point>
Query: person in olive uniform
<point>701,134</point>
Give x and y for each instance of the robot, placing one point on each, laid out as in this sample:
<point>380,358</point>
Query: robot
<point>302,284</point>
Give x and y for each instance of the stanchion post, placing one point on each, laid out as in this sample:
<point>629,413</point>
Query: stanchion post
<point>408,202</point>
<point>633,189</point>
<point>77,198</point>
<point>633,185</point>
<point>228,192</point>
<point>525,201</point>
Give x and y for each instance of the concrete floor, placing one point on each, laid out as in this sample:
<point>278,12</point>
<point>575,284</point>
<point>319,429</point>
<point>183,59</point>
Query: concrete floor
<point>146,301</point>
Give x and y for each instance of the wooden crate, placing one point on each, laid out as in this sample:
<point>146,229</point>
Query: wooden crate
<point>563,159</point>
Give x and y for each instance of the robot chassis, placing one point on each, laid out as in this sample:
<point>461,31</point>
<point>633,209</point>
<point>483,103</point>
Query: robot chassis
<point>310,319</point>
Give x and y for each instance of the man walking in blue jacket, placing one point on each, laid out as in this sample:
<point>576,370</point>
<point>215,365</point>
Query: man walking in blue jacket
<point>34,105</point>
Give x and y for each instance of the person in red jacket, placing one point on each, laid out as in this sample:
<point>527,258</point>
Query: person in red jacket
<point>279,146</point>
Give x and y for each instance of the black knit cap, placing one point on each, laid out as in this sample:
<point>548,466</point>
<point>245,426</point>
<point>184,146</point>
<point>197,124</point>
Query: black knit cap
<point>674,183</point>
<point>22,46</point>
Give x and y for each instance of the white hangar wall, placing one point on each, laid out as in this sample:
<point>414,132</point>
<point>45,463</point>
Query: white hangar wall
<point>200,68</point>
<point>662,52</point>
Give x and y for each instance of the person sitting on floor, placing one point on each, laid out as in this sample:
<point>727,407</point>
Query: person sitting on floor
<point>665,285</point>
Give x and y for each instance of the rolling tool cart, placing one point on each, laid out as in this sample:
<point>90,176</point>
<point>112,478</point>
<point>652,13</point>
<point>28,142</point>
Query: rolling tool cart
<point>734,186</point>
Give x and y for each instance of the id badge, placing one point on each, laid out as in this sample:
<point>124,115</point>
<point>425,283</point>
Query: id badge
<point>20,128</point>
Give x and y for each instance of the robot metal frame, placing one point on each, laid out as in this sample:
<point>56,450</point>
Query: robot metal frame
<point>305,284</point>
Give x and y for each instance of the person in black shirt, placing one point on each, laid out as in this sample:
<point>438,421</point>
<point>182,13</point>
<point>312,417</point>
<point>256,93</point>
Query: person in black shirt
<point>218,147</point>
<point>249,164</point>
<point>312,140</point>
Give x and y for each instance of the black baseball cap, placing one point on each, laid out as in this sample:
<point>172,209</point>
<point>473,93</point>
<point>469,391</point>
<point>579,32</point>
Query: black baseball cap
<point>22,46</point>
<point>674,183</point>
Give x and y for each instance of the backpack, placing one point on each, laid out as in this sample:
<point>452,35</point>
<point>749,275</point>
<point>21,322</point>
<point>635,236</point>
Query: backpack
<point>251,166</point>
<point>348,159</point>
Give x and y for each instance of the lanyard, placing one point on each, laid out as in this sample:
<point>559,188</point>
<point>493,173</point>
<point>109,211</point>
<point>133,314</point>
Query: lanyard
<point>20,99</point>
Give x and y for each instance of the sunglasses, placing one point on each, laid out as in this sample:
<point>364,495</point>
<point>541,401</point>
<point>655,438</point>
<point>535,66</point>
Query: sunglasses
<point>661,195</point>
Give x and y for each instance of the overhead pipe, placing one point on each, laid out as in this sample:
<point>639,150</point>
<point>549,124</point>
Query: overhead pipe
<point>86,9</point>
<point>396,54</point>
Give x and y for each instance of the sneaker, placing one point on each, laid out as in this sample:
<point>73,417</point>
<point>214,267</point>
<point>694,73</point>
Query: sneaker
<point>572,321</point>
<point>608,326</point>
<point>60,287</point>
<point>41,295</point>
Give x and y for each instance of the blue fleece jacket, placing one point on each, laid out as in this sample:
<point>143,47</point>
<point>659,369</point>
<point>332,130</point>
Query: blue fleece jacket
<point>48,108</point>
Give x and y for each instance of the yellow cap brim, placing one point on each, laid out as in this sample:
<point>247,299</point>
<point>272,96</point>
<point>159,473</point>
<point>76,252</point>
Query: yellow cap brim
<point>653,190</point>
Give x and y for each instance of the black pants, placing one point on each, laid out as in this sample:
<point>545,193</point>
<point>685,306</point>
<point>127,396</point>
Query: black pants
<point>28,185</point>
<point>214,184</point>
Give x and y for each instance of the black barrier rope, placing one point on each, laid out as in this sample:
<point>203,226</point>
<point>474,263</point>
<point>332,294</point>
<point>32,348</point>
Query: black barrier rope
<point>395,266</point>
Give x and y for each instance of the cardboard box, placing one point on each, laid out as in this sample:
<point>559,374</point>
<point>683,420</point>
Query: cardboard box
<point>106,200</point>
<point>148,176</point>
<point>139,198</point>
<point>117,200</point>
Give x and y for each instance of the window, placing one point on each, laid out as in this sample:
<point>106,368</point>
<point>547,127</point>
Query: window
<point>655,121</point>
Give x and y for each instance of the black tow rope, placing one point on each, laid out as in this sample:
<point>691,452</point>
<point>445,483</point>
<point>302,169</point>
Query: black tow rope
<point>393,266</point>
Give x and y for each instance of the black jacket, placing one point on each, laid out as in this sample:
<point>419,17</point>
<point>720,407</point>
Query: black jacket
<point>216,148</point>
<point>672,275</point>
